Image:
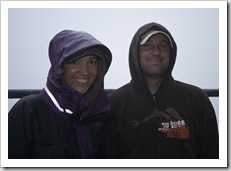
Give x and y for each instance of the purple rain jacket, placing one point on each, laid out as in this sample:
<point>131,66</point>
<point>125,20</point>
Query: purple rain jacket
<point>59,122</point>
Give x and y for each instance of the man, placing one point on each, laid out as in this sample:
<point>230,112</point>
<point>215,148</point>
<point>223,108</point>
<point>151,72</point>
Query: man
<point>155,115</point>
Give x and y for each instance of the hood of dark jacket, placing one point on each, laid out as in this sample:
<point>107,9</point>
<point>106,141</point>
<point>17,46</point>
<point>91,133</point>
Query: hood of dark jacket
<point>64,46</point>
<point>138,79</point>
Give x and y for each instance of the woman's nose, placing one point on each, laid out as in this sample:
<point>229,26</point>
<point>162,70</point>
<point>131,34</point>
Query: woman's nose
<point>84,69</point>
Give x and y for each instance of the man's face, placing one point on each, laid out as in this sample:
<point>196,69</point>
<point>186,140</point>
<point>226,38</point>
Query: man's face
<point>80,74</point>
<point>155,56</point>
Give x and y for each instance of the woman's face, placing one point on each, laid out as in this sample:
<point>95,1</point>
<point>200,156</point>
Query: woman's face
<point>80,74</point>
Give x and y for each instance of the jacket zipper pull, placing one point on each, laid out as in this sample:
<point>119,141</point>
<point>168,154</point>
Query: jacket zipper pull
<point>154,99</point>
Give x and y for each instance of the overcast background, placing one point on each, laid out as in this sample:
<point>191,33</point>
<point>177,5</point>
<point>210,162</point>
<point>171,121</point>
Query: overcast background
<point>195,30</point>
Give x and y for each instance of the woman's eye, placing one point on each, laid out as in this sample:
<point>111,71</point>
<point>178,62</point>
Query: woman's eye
<point>93,62</point>
<point>76,62</point>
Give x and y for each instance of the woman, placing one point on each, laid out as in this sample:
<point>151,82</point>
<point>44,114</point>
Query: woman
<point>66,120</point>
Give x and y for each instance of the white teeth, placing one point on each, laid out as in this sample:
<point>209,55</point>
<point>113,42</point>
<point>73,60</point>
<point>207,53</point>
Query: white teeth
<point>155,60</point>
<point>81,80</point>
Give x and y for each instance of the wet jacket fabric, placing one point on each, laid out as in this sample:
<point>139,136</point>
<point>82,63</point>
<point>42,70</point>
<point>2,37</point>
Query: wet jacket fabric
<point>177,122</point>
<point>59,122</point>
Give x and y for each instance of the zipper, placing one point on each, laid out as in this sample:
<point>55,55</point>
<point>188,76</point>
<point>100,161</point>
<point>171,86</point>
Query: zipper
<point>154,98</point>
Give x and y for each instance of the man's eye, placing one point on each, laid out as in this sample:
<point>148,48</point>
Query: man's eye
<point>149,46</point>
<point>163,45</point>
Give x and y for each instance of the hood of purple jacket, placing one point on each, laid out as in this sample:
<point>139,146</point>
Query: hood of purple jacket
<point>63,100</point>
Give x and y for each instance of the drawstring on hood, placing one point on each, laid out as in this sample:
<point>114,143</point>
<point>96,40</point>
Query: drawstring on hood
<point>140,37</point>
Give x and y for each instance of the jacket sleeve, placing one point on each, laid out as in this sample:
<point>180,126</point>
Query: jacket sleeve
<point>20,131</point>
<point>208,141</point>
<point>112,144</point>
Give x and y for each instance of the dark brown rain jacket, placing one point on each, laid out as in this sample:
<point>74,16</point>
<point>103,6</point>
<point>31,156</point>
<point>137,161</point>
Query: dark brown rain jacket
<point>177,122</point>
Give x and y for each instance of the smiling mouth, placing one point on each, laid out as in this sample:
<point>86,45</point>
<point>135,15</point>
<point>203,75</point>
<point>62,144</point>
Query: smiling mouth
<point>81,81</point>
<point>155,61</point>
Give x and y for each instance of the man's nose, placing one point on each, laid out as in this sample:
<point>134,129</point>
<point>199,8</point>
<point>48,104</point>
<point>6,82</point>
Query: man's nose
<point>155,50</point>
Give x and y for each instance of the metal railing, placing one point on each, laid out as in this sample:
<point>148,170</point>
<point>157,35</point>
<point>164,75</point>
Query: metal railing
<point>19,93</point>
